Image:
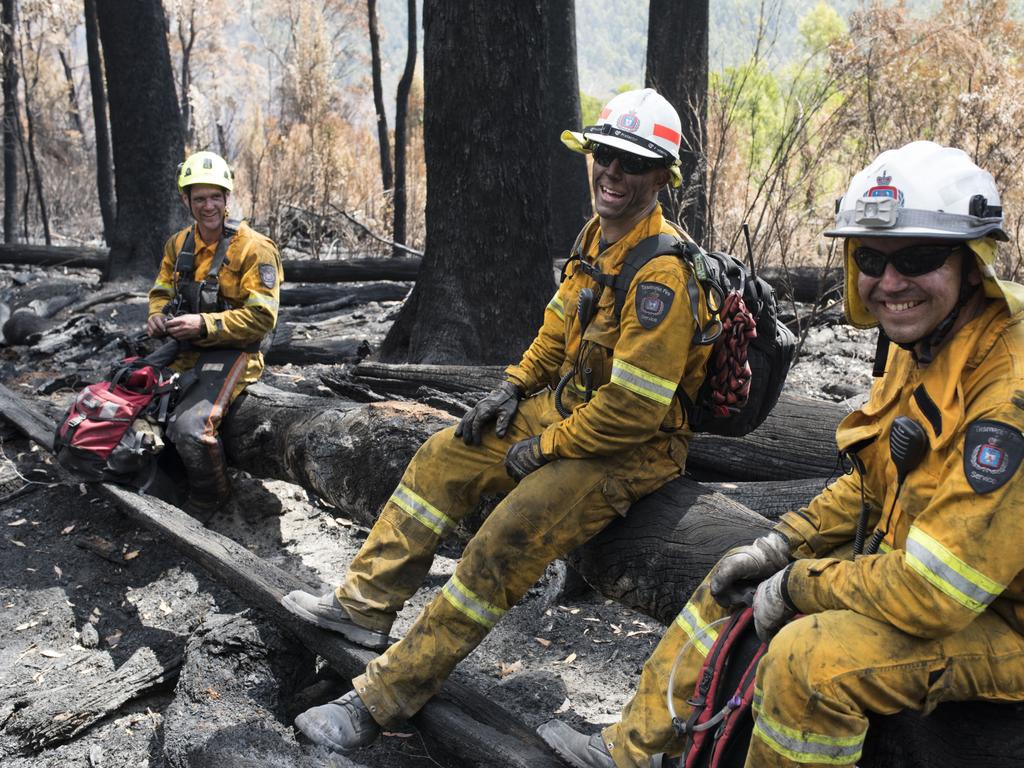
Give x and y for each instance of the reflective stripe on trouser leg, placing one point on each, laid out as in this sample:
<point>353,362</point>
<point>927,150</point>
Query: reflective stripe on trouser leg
<point>645,728</point>
<point>442,483</point>
<point>550,512</point>
<point>822,672</point>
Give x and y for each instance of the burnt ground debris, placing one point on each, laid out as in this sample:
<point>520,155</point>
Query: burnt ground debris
<point>206,680</point>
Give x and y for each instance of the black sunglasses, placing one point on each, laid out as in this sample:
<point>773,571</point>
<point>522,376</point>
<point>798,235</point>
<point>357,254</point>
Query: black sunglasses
<point>912,261</point>
<point>628,162</point>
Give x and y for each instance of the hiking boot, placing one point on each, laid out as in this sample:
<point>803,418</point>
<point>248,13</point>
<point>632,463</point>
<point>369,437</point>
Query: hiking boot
<point>203,510</point>
<point>344,724</point>
<point>577,749</point>
<point>325,611</point>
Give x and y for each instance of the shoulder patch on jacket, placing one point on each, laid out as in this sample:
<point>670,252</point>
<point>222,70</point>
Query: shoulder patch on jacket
<point>992,453</point>
<point>653,301</point>
<point>268,275</point>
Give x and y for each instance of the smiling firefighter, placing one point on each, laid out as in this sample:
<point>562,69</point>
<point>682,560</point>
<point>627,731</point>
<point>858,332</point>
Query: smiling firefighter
<point>906,573</point>
<point>587,422</point>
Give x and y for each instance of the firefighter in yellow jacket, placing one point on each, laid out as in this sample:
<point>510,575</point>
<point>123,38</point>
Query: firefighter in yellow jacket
<point>909,570</point>
<point>569,463</point>
<point>217,295</point>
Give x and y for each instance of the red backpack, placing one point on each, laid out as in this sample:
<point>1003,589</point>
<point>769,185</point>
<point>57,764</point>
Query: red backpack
<point>719,728</point>
<point>107,433</point>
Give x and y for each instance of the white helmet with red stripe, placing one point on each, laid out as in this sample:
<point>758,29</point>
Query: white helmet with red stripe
<point>641,122</point>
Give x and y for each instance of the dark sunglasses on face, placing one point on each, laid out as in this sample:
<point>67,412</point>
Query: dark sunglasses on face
<point>912,261</point>
<point>628,162</point>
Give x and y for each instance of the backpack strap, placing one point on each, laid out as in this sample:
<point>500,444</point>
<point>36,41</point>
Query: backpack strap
<point>185,264</point>
<point>576,253</point>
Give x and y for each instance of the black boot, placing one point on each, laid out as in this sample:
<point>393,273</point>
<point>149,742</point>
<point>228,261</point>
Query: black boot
<point>577,749</point>
<point>344,724</point>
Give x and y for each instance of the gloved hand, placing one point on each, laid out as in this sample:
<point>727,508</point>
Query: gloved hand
<point>524,457</point>
<point>501,403</point>
<point>736,575</point>
<point>772,608</point>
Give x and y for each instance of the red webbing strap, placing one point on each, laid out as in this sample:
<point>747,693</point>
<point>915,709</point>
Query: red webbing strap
<point>728,380</point>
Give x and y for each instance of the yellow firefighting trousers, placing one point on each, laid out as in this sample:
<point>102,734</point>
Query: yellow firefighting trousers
<point>551,511</point>
<point>819,676</point>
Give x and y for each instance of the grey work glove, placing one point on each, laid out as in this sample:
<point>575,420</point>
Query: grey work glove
<point>736,576</point>
<point>499,404</point>
<point>772,608</point>
<point>524,457</point>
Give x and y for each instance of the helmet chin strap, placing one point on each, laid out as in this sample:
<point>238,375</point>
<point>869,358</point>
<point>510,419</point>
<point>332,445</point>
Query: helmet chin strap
<point>932,341</point>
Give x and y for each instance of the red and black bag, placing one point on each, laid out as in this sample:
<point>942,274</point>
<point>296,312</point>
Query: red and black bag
<point>107,434</point>
<point>719,728</point>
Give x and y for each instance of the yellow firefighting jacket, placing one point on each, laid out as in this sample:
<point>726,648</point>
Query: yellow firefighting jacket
<point>637,361</point>
<point>250,283</point>
<point>954,543</point>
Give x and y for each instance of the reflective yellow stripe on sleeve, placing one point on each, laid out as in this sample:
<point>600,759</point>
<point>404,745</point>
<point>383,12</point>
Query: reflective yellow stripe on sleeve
<point>160,285</point>
<point>643,383</point>
<point>701,634</point>
<point>468,602</point>
<point>420,509</point>
<point>948,573</point>
<point>557,306</point>
<point>259,300</point>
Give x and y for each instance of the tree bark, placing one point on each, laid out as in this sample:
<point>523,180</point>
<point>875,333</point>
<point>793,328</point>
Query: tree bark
<point>677,67</point>
<point>146,130</point>
<point>486,256</point>
<point>568,185</point>
<point>383,144</point>
<point>12,126</point>
<point>37,173</point>
<point>187,39</point>
<point>98,88</point>
<point>400,199</point>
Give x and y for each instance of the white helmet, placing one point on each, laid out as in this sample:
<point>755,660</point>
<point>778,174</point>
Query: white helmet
<point>640,122</point>
<point>921,190</point>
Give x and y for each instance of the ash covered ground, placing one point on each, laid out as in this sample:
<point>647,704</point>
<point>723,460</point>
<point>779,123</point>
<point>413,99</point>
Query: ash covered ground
<point>86,594</point>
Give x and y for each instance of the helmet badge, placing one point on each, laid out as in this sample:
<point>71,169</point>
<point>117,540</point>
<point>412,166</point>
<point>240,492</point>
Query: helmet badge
<point>628,121</point>
<point>884,188</point>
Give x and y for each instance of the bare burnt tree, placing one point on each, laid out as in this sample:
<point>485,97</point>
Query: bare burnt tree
<point>568,187</point>
<point>74,113</point>
<point>187,40</point>
<point>401,199</point>
<point>29,87</point>
<point>98,88</point>
<point>486,275</point>
<point>146,131</point>
<point>677,67</point>
<point>11,123</point>
<point>386,174</point>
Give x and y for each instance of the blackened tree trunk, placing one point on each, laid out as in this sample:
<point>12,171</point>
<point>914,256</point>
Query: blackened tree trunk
<point>677,67</point>
<point>11,124</point>
<point>401,198</point>
<point>146,131</point>
<point>187,40</point>
<point>486,275</point>
<point>29,88</point>
<point>74,113</point>
<point>386,174</point>
<point>569,187</point>
<point>98,88</point>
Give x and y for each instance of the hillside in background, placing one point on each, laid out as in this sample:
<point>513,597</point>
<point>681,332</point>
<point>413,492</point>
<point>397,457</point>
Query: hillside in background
<point>611,36</point>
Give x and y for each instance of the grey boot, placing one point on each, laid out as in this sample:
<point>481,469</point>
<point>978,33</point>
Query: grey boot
<point>344,724</point>
<point>325,611</point>
<point>577,749</point>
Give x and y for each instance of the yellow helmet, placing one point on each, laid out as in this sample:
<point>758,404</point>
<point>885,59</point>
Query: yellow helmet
<point>205,168</point>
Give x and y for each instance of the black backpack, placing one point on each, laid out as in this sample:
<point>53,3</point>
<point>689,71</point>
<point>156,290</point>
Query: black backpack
<point>770,354</point>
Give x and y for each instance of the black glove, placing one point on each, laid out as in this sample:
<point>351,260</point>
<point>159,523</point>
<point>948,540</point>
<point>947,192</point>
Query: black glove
<point>524,457</point>
<point>501,402</point>
<point>736,575</point>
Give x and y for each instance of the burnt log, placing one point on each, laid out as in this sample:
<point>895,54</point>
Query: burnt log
<point>287,348</point>
<point>804,284</point>
<point>351,270</point>
<point>312,299</point>
<point>53,256</point>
